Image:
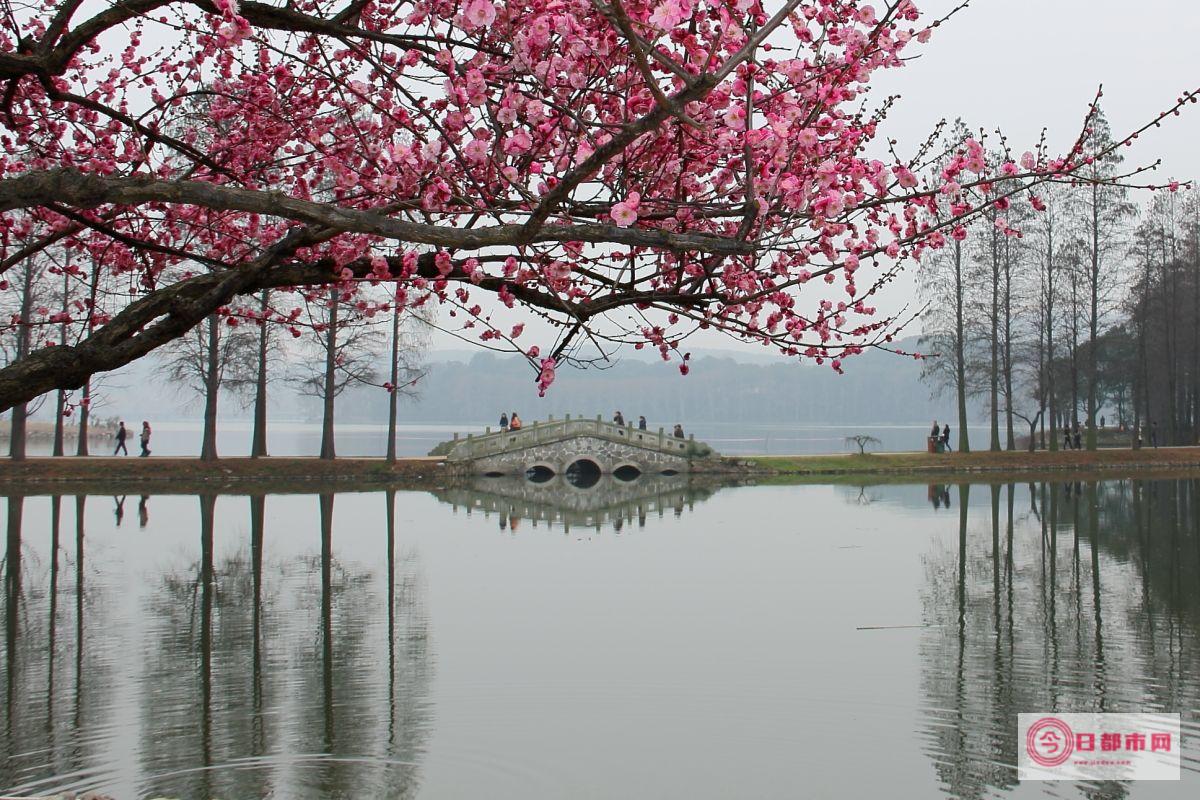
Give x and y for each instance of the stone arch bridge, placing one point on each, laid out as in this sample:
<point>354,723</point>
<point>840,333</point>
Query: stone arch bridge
<point>554,447</point>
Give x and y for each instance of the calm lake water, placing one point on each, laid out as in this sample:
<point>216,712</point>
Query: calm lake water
<point>635,640</point>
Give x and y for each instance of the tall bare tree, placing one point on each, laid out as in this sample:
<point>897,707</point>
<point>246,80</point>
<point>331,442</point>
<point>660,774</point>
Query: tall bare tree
<point>344,342</point>
<point>943,281</point>
<point>1102,213</point>
<point>408,344</point>
<point>212,355</point>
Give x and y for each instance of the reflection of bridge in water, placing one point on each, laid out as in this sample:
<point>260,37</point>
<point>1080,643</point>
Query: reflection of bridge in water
<point>558,501</point>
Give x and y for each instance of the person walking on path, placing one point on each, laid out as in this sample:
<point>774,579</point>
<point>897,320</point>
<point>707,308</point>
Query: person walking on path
<point>1066,438</point>
<point>145,439</point>
<point>122,434</point>
<point>503,421</point>
<point>946,438</point>
<point>641,423</point>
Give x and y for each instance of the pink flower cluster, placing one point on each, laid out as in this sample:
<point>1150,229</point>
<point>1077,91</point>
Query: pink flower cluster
<point>712,172</point>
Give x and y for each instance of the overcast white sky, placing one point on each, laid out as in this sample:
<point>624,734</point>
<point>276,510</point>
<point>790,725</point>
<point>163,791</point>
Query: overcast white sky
<point>1022,65</point>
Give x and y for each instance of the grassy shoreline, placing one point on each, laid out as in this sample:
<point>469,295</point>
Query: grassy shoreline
<point>180,475</point>
<point>42,475</point>
<point>985,466</point>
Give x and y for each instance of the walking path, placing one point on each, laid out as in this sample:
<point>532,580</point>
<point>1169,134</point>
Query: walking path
<point>41,475</point>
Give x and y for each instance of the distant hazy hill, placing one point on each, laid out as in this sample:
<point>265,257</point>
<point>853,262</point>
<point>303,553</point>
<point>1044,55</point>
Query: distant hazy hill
<point>876,388</point>
<point>475,386</point>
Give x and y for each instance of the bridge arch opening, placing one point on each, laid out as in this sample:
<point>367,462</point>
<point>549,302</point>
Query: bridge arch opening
<point>539,473</point>
<point>668,472</point>
<point>583,473</point>
<point>627,473</point>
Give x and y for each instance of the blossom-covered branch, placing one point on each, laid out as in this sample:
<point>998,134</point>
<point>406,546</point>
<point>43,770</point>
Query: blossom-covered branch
<point>663,165</point>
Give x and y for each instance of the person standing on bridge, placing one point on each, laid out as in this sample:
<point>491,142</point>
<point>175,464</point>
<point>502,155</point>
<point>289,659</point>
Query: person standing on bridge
<point>641,423</point>
<point>503,421</point>
<point>514,422</point>
<point>619,419</point>
<point>679,431</point>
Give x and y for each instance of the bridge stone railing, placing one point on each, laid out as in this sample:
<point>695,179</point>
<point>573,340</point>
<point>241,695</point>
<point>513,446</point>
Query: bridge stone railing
<point>551,431</point>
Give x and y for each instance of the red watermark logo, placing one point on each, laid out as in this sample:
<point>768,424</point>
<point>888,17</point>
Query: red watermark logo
<point>1050,742</point>
<point>1098,747</point>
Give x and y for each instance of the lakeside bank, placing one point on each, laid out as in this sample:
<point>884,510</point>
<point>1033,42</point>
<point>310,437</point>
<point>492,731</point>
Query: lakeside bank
<point>975,467</point>
<point>41,475</point>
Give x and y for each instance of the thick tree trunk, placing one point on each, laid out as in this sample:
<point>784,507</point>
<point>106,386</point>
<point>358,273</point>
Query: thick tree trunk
<point>1041,395</point>
<point>960,361</point>
<point>329,391</point>
<point>1051,396</point>
<point>994,388</point>
<point>60,404</point>
<point>60,423</point>
<point>1093,320</point>
<point>212,385</point>
<point>258,444</point>
<point>1168,330</point>
<point>1196,329</point>
<point>1072,421</point>
<point>85,412</point>
<point>85,402</point>
<point>394,395</point>
<point>20,414</point>
<point>17,432</point>
<point>1143,356</point>
<point>1010,438</point>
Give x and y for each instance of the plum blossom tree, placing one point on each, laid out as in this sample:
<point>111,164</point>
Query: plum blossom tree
<point>629,170</point>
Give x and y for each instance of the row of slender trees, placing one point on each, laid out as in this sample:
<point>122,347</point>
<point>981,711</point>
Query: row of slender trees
<point>342,349</point>
<point>1070,305</point>
<point>224,631</point>
<point>334,340</point>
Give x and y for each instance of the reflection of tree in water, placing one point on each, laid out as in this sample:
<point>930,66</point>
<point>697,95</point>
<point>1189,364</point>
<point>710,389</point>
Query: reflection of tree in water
<point>202,707</point>
<point>270,677</point>
<point>1082,602</point>
<point>864,495</point>
<point>56,667</point>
